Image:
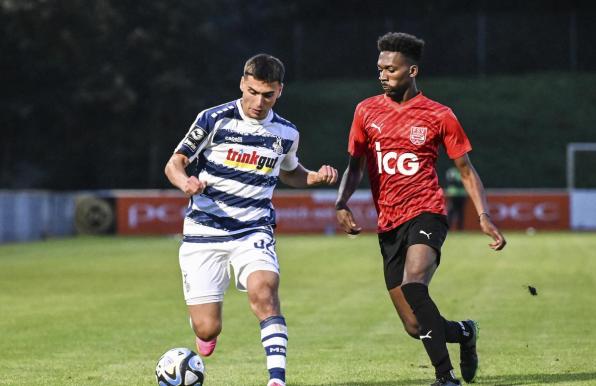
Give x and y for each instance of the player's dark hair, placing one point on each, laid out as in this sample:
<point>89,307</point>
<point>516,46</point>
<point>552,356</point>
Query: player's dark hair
<point>409,45</point>
<point>266,68</point>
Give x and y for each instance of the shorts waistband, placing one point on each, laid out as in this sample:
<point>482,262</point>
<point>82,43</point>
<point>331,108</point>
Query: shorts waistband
<point>222,239</point>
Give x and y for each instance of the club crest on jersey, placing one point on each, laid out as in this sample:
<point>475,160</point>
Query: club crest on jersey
<point>277,146</point>
<point>418,134</point>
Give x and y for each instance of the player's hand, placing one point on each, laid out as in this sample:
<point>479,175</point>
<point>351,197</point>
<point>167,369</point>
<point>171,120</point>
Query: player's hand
<point>193,185</point>
<point>491,230</point>
<point>326,175</point>
<point>346,220</point>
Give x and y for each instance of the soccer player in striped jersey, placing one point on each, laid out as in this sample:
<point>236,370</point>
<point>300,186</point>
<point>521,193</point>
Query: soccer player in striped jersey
<point>235,154</point>
<point>396,136</point>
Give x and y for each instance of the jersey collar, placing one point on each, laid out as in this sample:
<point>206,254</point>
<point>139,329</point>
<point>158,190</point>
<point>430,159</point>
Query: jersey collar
<point>405,104</point>
<point>253,121</point>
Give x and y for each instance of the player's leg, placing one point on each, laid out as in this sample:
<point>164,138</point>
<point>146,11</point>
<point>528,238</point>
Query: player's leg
<point>205,277</point>
<point>405,313</point>
<point>206,322</point>
<point>257,271</point>
<point>264,302</point>
<point>419,269</point>
<point>455,332</point>
<point>393,248</point>
<point>263,295</point>
<point>426,234</point>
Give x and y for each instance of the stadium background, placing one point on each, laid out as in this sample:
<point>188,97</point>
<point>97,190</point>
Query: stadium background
<point>95,94</point>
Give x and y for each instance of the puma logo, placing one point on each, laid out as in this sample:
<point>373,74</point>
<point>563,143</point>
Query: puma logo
<point>375,126</point>
<point>426,234</point>
<point>427,336</point>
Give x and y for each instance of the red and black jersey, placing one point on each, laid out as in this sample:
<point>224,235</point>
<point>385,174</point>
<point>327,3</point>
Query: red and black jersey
<point>401,143</point>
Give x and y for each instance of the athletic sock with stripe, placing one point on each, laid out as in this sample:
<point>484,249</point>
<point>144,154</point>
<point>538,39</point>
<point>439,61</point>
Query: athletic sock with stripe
<point>432,328</point>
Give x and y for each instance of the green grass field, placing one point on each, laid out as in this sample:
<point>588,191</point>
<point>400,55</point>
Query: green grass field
<point>101,311</point>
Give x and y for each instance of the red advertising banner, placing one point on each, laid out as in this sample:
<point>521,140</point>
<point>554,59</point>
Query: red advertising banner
<point>314,211</point>
<point>296,212</point>
<point>523,210</point>
<point>150,215</point>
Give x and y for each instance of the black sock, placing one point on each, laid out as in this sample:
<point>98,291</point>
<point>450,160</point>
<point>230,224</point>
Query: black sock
<point>431,324</point>
<point>456,332</point>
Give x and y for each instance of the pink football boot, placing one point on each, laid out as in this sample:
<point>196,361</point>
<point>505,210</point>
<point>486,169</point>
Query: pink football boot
<point>206,348</point>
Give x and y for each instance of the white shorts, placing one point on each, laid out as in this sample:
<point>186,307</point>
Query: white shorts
<point>205,266</point>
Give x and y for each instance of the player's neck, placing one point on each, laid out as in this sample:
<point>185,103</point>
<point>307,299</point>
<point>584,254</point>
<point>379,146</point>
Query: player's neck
<point>408,94</point>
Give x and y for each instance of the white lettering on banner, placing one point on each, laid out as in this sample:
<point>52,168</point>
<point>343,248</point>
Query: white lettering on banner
<point>525,211</point>
<point>406,163</point>
<point>143,213</point>
<point>292,213</point>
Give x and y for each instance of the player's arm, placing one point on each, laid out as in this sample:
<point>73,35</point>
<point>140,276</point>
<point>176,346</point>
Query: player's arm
<point>301,177</point>
<point>175,170</point>
<point>349,182</point>
<point>475,190</point>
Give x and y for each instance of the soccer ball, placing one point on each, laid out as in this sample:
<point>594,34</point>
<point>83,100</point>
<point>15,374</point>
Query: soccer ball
<point>180,367</point>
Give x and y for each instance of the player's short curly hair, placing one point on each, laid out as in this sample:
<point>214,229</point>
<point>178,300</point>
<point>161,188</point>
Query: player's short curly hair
<point>409,45</point>
<point>265,67</point>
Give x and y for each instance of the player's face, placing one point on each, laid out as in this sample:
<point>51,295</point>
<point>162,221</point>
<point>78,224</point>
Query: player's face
<point>396,73</point>
<point>258,97</point>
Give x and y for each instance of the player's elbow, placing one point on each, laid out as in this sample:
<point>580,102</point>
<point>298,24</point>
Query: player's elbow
<point>168,168</point>
<point>171,168</point>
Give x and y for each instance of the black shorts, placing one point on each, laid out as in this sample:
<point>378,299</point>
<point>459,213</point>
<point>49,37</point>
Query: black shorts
<point>426,228</point>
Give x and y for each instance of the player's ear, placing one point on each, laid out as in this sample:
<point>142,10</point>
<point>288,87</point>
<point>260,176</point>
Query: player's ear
<point>280,90</point>
<point>413,70</point>
<point>242,83</point>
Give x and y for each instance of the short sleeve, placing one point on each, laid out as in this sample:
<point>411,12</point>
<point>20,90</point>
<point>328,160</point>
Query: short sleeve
<point>290,161</point>
<point>357,141</point>
<point>193,139</point>
<point>454,138</point>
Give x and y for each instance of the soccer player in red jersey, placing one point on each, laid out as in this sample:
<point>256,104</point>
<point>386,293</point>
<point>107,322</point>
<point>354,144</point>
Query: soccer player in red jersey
<point>396,136</point>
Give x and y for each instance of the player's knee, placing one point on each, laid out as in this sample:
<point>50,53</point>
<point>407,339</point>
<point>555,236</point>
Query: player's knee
<point>413,329</point>
<point>207,329</point>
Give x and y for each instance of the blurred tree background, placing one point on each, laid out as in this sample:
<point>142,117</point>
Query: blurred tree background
<point>95,94</point>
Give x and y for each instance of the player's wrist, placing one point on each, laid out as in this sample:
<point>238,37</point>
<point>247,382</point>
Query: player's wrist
<point>483,215</point>
<point>312,178</point>
<point>339,205</point>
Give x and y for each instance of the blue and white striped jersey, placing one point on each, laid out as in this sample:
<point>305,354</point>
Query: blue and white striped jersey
<point>240,159</point>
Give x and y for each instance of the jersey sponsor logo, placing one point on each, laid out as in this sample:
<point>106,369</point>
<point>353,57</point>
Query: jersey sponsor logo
<point>251,161</point>
<point>375,126</point>
<point>392,163</point>
<point>418,134</point>
<point>233,139</point>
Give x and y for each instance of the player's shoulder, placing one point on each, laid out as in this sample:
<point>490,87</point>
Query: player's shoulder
<point>371,102</point>
<point>284,124</point>
<point>208,117</point>
<point>430,104</point>
<point>224,110</point>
